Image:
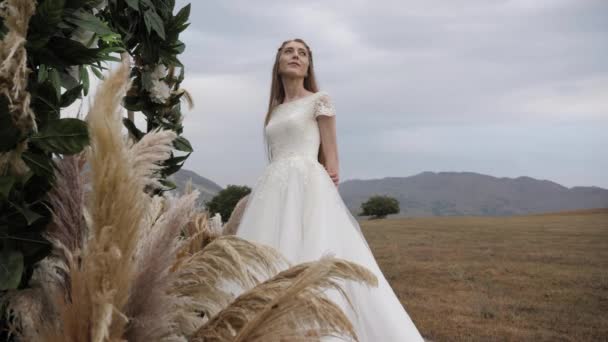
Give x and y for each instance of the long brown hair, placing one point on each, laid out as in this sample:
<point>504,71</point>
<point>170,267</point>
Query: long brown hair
<point>277,91</point>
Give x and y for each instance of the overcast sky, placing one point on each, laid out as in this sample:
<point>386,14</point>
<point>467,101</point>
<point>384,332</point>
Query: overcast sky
<point>504,88</point>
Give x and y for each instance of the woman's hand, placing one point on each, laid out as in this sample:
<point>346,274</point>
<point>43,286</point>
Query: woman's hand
<point>334,176</point>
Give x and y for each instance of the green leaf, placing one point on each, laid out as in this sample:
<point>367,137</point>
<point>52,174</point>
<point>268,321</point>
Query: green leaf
<point>134,4</point>
<point>112,39</point>
<point>69,81</point>
<point>3,28</point>
<point>154,22</point>
<point>170,59</point>
<point>70,96</point>
<point>168,184</point>
<point>164,8</point>
<point>133,129</point>
<point>40,164</point>
<point>97,73</point>
<point>111,49</point>
<point>55,81</point>
<point>150,50</point>
<point>45,54</point>
<point>11,268</point>
<point>9,134</point>
<point>45,103</point>
<point>133,103</point>
<point>148,4</point>
<point>176,160</point>
<point>65,136</point>
<point>84,77</point>
<point>182,16</point>
<point>178,48</point>
<point>112,58</point>
<point>182,27</point>
<point>27,177</point>
<point>89,22</point>
<point>49,12</point>
<point>71,52</point>
<point>29,215</point>
<point>45,23</point>
<point>182,144</point>
<point>43,73</point>
<point>6,184</point>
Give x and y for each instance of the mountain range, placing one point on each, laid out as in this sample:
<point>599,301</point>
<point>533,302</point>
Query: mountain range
<point>452,193</point>
<point>207,187</point>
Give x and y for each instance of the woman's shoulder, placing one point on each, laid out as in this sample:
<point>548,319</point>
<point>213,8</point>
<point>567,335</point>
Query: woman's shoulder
<point>321,96</point>
<point>321,93</point>
<point>323,104</point>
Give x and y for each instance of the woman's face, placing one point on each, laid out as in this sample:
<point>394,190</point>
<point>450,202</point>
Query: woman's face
<point>293,61</point>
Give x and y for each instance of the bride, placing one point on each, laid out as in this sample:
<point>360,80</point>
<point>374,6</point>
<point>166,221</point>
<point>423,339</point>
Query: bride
<point>295,206</point>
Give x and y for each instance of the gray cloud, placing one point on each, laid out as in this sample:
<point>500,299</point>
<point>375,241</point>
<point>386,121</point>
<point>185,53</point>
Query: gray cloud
<point>419,85</point>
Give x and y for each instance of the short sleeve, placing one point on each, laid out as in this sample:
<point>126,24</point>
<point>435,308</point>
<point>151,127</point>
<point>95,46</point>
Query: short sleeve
<point>324,106</point>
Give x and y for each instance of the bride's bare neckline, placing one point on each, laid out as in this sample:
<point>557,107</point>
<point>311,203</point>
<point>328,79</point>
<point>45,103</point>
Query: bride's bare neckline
<point>299,98</point>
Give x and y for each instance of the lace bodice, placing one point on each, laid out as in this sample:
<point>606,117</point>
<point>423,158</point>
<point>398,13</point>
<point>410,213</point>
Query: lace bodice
<point>293,129</point>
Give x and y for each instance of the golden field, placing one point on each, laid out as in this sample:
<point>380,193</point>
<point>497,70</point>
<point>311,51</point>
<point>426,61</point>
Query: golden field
<point>520,278</point>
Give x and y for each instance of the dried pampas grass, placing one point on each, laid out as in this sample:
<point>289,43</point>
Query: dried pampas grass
<point>105,277</point>
<point>13,78</point>
<point>289,306</point>
<point>146,153</point>
<point>50,278</point>
<point>153,320</point>
<point>212,277</point>
<point>68,227</point>
<point>13,70</point>
<point>197,234</point>
<point>231,227</point>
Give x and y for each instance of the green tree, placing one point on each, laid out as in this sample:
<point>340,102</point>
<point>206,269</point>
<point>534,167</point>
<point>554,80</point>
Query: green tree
<point>380,206</point>
<point>225,200</point>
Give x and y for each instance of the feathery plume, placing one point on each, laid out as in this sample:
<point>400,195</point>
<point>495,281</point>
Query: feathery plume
<point>27,308</point>
<point>66,199</point>
<point>197,234</point>
<point>289,306</point>
<point>14,73</point>
<point>153,147</point>
<point>210,279</point>
<point>101,280</point>
<point>150,306</point>
<point>231,227</point>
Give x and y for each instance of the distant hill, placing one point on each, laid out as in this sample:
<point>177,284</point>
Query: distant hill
<point>469,193</point>
<point>580,212</point>
<point>207,187</point>
<point>452,193</point>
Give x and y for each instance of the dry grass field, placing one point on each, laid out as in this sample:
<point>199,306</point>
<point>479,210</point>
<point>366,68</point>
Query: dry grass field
<point>522,278</point>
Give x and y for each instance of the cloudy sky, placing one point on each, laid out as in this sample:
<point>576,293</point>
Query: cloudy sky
<point>504,88</point>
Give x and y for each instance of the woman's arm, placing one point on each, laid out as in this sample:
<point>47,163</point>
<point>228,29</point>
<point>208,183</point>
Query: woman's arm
<point>329,146</point>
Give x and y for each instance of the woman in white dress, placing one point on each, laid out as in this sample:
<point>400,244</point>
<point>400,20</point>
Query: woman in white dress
<point>295,206</point>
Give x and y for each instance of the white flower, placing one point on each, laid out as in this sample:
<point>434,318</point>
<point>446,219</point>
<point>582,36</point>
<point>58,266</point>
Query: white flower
<point>160,91</point>
<point>151,81</point>
<point>160,71</point>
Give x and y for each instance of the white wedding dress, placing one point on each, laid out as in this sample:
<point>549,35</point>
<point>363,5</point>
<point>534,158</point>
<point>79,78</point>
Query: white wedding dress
<point>295,207</point>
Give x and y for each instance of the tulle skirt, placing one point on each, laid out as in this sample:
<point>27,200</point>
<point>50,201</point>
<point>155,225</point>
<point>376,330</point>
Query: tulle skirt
<point>295,208</point>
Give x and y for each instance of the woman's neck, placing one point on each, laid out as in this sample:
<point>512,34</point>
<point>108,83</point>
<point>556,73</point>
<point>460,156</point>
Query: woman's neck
<point>294,89</point>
